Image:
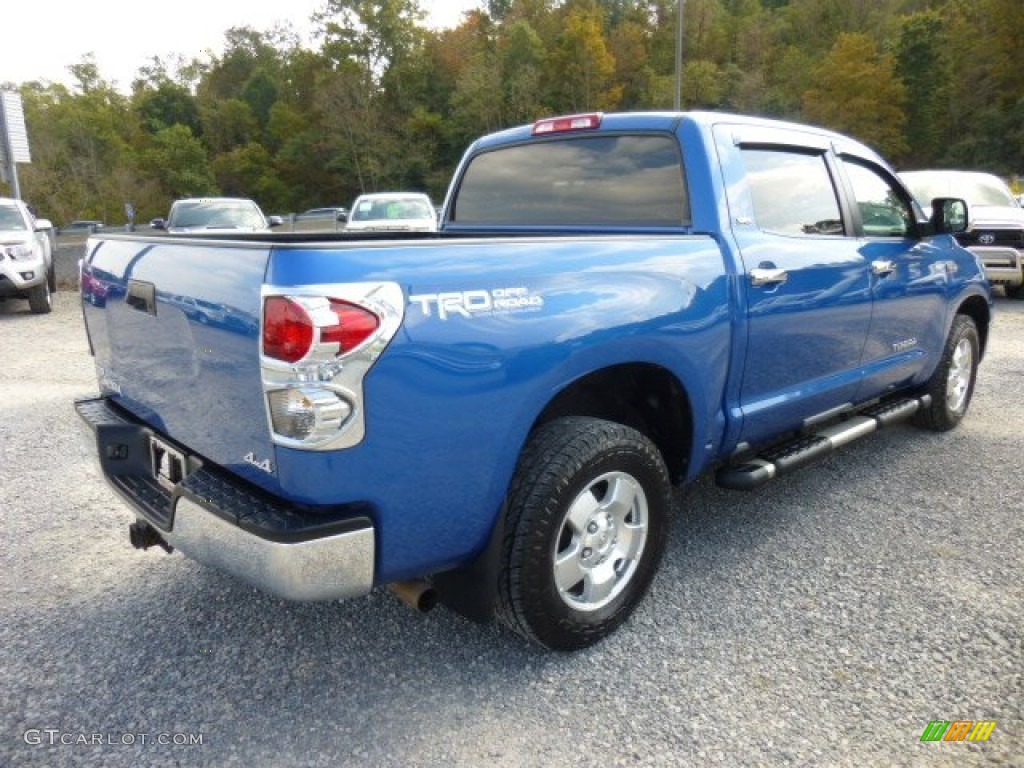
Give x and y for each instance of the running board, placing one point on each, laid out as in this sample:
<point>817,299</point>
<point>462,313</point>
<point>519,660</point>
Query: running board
<point>800,451</point>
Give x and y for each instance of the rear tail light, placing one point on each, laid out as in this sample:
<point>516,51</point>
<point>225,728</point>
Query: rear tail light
<point>355,325</point>
<point>318,344</point>
<point>287,330</point>
<point>293,327</point>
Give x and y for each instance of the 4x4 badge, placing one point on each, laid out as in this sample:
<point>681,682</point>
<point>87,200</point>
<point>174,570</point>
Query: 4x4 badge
<point>265,465</point>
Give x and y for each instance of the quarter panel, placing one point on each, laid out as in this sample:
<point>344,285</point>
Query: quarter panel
<point>450,403</point>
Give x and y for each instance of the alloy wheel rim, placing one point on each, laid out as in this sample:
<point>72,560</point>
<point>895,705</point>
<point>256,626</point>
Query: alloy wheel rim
<point>600,541</point>
<point>959,380</point>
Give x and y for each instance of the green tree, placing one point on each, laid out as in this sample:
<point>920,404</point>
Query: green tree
<point>522,59</point>
<point>165,105</point>
<point>81,140</point>
<point>177,161</point>
<point>249,171</point>
<point>983,107</point>
<point>923,69</point>
<point>228,124</point>
<point>703,84</point>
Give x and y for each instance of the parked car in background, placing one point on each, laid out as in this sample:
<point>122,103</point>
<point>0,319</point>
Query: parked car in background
<point>392,212</point>
<point>325,219</point>
<point>84,226</point>
<point>334,213</point>
<point>995,231</point>
<point>26,256</point>
<point>201,214</point>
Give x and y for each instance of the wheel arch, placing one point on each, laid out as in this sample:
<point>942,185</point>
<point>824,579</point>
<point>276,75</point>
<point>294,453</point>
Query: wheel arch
<point>645,396</point>
<point>976,308</point>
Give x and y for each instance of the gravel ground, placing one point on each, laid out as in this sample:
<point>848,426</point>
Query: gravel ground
<point>823,620</point>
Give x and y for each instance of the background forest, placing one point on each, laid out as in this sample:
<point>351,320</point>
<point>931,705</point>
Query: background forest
<point>385,103</point>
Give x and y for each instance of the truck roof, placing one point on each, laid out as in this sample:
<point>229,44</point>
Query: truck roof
<point>670,121</point>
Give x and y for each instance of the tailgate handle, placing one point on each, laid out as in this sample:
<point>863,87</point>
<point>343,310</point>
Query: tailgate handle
<point>142,296</point>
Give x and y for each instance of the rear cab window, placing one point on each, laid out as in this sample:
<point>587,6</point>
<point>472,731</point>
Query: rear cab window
<point>607,180</point>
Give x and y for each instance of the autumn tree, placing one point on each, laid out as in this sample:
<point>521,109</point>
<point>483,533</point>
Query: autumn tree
<point>580,75</point>
<point>856,90</point>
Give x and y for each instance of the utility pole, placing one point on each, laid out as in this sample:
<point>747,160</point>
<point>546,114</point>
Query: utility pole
<point>677,102</point>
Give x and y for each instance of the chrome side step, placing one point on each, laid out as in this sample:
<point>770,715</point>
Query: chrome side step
<point>800,451</point>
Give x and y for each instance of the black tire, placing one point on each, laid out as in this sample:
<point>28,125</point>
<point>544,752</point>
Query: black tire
<point>51,278</point>
<point>1014,291</point>
<point>952,384</point>
<point>39,299</point>
<point>578,463</point>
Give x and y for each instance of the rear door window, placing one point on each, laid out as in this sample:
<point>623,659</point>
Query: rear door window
<point>597,180</point>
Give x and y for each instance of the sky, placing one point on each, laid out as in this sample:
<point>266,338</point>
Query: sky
<point>42,38</point>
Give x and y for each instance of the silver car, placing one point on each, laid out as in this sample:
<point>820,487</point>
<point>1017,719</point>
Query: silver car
<point>208,214</point>
<point>26,256</point>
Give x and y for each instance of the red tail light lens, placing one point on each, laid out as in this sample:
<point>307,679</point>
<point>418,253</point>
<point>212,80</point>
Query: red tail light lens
<point>355,325</point>
<point>287,330</point>
<point>290,332</point>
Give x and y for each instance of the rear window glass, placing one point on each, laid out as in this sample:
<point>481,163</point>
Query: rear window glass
<point>609,180</point>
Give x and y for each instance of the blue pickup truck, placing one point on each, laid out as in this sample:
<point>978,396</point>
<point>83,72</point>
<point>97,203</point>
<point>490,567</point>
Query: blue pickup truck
<point>494,415</point>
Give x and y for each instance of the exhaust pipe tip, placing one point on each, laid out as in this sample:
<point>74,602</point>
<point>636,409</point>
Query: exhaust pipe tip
<point>418,595</point>
<point>142,535</point>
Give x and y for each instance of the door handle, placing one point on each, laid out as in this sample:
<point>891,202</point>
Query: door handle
<point>762,276</point>
<point>882,267</point>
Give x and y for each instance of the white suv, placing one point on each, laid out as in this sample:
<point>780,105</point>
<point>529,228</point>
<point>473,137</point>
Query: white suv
<point>26,256</point>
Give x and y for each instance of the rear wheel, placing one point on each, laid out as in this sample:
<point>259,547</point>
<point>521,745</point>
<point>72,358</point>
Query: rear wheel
<point>587,516</point>
<point>1014,291</point>
<point>952,384</point>
<point>39,298</point>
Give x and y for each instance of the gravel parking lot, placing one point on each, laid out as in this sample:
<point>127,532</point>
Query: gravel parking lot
<point>823,620</point>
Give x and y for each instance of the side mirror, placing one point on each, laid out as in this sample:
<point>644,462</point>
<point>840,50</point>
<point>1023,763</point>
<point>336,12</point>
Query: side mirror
<point>949,215</point>
<point>158,224</point>
<point>42,224</point>
<point>342,215</point>
<point>274,221</point>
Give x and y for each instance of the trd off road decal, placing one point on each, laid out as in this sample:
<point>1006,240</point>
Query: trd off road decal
<point>471,304</point>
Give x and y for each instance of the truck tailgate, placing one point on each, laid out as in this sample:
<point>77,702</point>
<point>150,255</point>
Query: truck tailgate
<point>174,327</point>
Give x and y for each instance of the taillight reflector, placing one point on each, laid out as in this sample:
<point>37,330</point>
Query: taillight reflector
<point>287,330</point>
<point>567,123</point>
<point>355,325</point>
